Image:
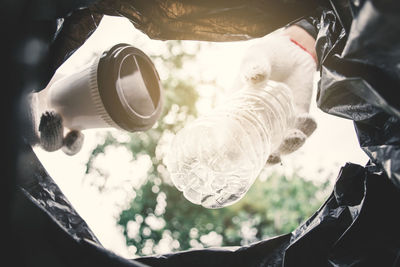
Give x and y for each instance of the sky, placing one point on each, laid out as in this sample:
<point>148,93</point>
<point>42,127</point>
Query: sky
<point>332,144</point>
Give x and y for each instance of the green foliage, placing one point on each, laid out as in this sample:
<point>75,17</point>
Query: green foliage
<point>160,218</point>
<point>272,207</point>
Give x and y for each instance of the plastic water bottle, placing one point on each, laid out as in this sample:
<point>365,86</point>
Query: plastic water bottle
<point>216,158</point>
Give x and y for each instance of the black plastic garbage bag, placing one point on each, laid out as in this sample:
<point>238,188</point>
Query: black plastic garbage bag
<point>360,77</point>
<point>359,53</point>
<point>356,226</point>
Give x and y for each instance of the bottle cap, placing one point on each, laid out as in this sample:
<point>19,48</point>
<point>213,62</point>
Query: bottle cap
<point>129,88</point>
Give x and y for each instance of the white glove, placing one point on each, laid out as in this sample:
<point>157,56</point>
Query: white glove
<point>276,57</point>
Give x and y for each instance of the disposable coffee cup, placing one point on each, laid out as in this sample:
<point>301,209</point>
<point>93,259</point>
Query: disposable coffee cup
<point>120,89</point>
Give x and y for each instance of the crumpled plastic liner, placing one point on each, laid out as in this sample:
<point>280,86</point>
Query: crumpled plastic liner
<point>358,52</point>
<point>359,80</point>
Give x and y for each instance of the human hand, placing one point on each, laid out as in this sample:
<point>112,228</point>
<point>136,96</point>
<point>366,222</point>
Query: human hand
<point>286,56</point>
<point>51,135</point>
<point>47,128</point>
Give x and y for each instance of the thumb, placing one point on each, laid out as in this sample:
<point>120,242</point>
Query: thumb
<point>256,71</point>
<point>73,142</point>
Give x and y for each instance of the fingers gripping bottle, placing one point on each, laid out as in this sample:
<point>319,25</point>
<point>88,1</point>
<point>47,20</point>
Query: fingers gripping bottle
<point>215,159</point>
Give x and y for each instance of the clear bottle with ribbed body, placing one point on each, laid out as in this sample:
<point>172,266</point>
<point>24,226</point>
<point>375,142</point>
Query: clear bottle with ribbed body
<point>216,158</point>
